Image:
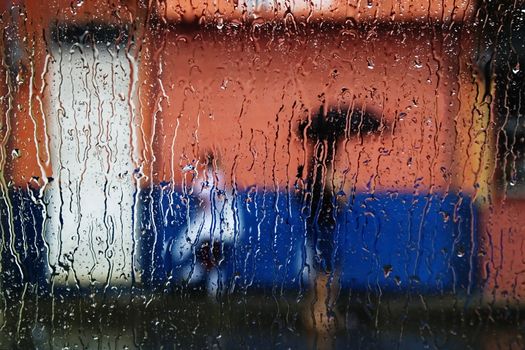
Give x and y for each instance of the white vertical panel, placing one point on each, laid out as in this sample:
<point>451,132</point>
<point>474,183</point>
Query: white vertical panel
<point>90,202</point>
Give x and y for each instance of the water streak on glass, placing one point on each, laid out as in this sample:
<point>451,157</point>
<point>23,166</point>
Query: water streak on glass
<point>256,174</point>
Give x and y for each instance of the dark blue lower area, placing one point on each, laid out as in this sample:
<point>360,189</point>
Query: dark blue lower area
<point>266,246</point>
<point>255,241</point>
<point>374,243</point>
<point>398,242</point>
<point>23,252</point>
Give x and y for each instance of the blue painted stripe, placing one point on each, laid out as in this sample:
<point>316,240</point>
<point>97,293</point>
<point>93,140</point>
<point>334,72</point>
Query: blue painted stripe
<point>389,242</point>
<point>382,242</point>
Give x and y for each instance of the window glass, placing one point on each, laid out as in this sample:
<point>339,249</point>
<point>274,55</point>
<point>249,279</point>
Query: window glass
<point>259,174</point>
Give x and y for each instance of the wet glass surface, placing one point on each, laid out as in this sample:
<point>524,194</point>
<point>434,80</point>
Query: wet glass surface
<point>262,174</point>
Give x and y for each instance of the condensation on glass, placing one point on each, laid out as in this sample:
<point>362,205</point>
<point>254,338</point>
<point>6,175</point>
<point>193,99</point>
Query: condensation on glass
<point>262,174</point>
